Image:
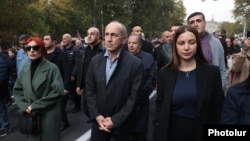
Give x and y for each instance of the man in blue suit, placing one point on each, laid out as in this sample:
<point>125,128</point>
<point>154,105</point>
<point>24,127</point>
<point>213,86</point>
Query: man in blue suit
<point>149,82</point>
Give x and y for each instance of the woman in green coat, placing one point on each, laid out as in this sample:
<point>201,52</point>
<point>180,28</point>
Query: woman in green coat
<point>39,88</point>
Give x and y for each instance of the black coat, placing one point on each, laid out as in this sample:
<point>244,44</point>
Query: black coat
<point>81,65</point>
<point>141,113</point>
<point>61,60</point>
<point>209,100</point>
<point>74,55</point>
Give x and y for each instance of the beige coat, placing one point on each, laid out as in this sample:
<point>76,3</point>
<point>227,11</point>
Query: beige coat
<point>240,67</point>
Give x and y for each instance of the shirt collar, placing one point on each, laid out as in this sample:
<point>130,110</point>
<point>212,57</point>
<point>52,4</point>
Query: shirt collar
<point>106,54</point>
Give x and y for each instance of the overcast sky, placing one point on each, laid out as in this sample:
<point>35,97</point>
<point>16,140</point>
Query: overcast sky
<point>220,10</point>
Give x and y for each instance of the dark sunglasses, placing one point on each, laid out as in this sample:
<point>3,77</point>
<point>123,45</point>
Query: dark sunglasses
<point>28,47</point>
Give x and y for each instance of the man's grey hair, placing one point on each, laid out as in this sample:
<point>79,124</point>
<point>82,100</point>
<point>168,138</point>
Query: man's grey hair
<point>124,30</point>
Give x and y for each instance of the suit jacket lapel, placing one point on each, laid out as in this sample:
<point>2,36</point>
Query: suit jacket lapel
<point>102,67</point>
<point>170,85</point>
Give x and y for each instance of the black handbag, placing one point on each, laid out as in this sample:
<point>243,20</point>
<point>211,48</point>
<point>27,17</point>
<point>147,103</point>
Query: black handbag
<point>30,123</point>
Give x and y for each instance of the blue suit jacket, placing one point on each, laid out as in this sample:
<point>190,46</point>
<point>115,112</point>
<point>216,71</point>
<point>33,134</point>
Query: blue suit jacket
<point>141,113</point>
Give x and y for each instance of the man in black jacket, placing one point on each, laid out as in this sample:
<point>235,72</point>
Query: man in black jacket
<point>74,55</point>
<point>60,58</point>
<point>94,47</point>
<point>141,113</point>
<point>112,85</point>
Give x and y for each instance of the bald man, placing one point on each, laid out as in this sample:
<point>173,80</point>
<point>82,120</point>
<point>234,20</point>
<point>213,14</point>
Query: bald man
<point>164,52</point>
<point>94,46</point>
<point>74,55</point>
<point>166,37</point>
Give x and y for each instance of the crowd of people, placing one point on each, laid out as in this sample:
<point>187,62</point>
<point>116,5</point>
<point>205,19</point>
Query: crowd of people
<point>200,79</point>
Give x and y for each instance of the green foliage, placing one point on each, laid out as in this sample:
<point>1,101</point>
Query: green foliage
<point>12,20</point>
<point>242,9</point>
<point>37,17</point>
<point>231,28</point>
<point>242,12</point>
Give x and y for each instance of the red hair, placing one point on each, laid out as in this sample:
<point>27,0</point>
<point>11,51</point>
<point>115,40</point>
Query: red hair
<point>39,41</point>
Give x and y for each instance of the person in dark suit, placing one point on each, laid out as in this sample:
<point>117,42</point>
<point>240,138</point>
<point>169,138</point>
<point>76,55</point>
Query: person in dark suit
<point>147,45</point>
<point>189,93</point>
<point>94,46</point>
<point>112,85</point>
<point>74,55</point>
<point>142,106</point>
<point>61,60</point>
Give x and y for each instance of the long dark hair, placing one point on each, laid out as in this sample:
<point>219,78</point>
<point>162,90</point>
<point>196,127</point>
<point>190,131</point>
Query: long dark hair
<point>175,61</point>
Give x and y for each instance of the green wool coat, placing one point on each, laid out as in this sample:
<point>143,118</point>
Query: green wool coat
<point>43,93</point>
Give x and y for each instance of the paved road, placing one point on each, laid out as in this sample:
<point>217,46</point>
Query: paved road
<point>79,129</point>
